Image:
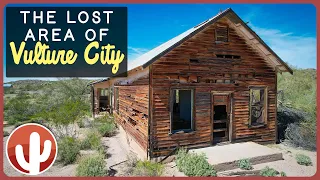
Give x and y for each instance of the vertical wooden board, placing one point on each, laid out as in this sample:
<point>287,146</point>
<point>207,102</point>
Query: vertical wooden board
<point>205,73</point>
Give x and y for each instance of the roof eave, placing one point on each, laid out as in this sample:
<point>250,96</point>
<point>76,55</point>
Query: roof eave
<point>288,69</point>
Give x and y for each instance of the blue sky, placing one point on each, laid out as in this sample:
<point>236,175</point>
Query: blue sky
<point>289,29</point>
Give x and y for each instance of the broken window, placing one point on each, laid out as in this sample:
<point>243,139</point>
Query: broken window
<point>258,106</point>
<point>181,110</point>
<point>222,34</point>
<point>116,99</point>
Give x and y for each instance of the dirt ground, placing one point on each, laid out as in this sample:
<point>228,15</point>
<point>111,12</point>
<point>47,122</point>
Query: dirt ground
<point>289,165</point>
<point>118,153</point>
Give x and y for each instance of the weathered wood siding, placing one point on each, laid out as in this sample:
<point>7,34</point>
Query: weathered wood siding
<point>96,94</point>
<point>133,109</point>
<point>204,76</point>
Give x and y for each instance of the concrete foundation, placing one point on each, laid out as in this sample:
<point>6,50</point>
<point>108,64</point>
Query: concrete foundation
<point>131,143</point>
<point>225,157</point>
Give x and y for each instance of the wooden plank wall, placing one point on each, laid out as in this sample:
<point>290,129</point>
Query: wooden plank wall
<point>96,100</point>
<point>205,74</point>
<point>133,110</point>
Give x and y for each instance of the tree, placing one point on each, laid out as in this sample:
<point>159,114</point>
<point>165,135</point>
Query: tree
<point>66,101</point>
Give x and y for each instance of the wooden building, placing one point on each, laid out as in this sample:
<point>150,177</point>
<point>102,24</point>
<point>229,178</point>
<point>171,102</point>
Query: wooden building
<point>214,83</point>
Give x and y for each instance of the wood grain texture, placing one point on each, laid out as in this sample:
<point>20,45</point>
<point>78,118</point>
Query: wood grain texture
<point>133,114</point>
<point>207,67</point>
<point>208,72</point>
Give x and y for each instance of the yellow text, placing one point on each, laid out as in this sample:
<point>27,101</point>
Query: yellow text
<point>108,55</point>
<point>42,55</point>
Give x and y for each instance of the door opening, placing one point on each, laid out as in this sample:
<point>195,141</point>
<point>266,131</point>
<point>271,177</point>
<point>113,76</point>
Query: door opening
<point>221,118</point>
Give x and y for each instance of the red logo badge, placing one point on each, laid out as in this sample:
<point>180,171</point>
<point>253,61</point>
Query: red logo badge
<point>31,149</point>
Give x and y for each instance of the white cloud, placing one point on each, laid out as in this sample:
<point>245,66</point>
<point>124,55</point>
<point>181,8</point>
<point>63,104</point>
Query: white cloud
<point>300,51</point>
<point>134,52</point>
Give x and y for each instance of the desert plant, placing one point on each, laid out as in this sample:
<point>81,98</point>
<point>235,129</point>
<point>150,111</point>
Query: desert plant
<point>244,164</point>
<point>91,141</point>
<point>5,134</point>
<point>192,164</point>
<point>63,103</point>
<point>268,172</point>
<point>130,163</point>
<point>29,121</point>
<point>69,149</point>
<point>303,160</point>
<point>107,129</point>
<point>80,123</point>
<point>148,168</point>
<point>297,108</point>
<point>92,166</point>
<point>20,108</point>
<point>283,174</point>
<point>105,118</point>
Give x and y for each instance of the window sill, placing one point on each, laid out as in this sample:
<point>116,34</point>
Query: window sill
<point>256,126</point>
<point>177,132</point>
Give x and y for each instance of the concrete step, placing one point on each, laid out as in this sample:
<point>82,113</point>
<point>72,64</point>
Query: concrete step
<point>225,157</point>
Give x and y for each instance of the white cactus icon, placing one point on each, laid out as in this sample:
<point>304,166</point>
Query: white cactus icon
<point>35,158</point>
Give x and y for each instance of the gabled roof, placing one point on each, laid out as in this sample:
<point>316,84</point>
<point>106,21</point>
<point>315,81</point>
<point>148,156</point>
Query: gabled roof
<point>148,58</point>
<point>98,81</point>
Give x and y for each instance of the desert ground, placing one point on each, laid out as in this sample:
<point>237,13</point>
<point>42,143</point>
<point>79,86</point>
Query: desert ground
<point>118,154</point>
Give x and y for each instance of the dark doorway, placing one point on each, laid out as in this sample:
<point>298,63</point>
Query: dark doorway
<point>220,112</point>
<point>220,130</point>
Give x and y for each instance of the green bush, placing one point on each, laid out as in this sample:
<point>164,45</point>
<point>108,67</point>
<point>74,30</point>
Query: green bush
<point>91,166</point>
<point>244,164</point>
<point>268,172</point>
<point>107,129</point>
<point>104,119</point>
<point>303,160</point>
<point>91,141</point>
<point>148,168</point>
<point>5,134</point>
<point>192,164</point>
<point>20,108</point>
<point>297,108</point>
<point>69,149</point>
<point>80,123</point>
<point>283,174</point>
<point>28,121</point>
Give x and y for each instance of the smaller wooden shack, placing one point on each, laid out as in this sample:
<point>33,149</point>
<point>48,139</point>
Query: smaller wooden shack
<point>214,83</point>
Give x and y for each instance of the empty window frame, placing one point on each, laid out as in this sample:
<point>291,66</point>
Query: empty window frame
<point>222,34</point>
<point>104,104</point>
<point>258,106</point>
<point>181,110</point>
<point>116,99</point>
<point>104,92</point>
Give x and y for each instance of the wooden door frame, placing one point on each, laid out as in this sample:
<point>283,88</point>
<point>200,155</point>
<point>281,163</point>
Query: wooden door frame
<point>230,99</point>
